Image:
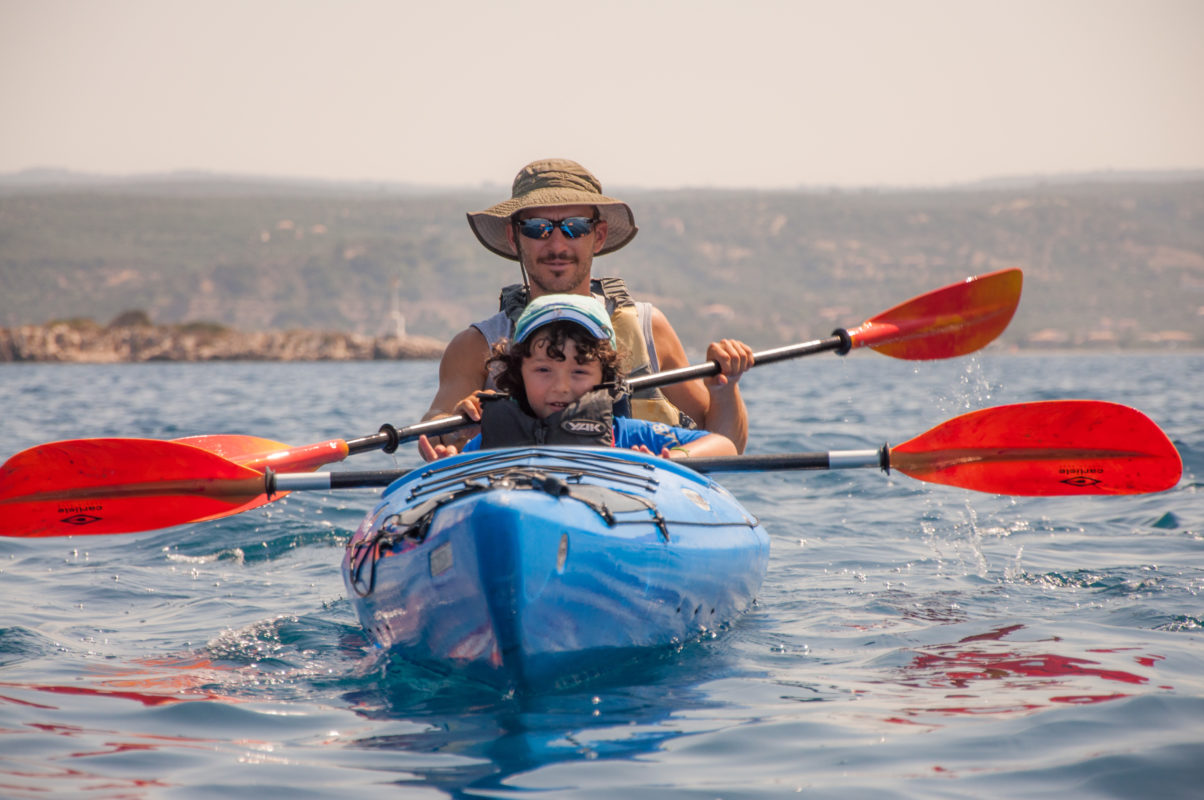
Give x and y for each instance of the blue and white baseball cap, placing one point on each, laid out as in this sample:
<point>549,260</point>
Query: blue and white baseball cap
<point>586,310</point>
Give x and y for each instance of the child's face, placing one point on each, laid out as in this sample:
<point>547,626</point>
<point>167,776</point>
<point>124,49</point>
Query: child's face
<point>552,384</point>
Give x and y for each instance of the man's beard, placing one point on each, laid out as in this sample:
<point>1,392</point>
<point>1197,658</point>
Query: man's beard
<point>577,274</point>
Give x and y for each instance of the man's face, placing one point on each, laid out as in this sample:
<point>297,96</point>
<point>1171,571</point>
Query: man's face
<point>558,264</point>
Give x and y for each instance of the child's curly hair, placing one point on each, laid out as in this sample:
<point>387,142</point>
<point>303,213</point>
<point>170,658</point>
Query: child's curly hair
<point>506,363</point>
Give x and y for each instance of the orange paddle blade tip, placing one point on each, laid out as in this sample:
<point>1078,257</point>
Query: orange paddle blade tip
<point>260,454</point>
<point>947,322</point>
<point>1056,447</point>
<point>95,486</point>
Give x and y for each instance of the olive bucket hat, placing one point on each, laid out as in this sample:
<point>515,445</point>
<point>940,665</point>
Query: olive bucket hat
<point>548,183</point>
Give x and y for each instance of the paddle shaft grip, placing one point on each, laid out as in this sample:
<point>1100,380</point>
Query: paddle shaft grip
<point>389,437</point>
<point>310,481</point>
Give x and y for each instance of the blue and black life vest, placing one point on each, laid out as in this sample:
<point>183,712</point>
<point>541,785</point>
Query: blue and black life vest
<point>588,421</point>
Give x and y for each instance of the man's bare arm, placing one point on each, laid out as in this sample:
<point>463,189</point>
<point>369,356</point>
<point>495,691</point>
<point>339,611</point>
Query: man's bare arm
<point>462,371</point>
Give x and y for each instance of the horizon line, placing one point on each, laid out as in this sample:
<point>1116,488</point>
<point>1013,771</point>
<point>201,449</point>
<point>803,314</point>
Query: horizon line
<point>46,175</point>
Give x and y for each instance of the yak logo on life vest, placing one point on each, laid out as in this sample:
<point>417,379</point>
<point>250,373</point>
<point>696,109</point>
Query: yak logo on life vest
<point>584,427</point>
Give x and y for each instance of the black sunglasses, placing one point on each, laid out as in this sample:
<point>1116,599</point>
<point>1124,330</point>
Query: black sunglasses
<point>539,228</point>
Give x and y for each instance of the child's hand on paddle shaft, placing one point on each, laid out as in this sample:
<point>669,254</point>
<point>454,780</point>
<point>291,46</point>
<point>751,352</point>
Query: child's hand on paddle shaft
<point>431,451</point>
<point>469,407</point>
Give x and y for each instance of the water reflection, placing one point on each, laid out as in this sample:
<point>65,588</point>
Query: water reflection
<point>984,674</point>
<point>488,740</point>
<point>96,760</point>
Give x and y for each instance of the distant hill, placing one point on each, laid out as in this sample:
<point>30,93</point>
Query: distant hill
<point>1108,262</point>
<point>189,183</point>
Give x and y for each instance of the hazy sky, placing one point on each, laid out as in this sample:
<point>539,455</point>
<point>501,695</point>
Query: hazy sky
<point>643,92</point>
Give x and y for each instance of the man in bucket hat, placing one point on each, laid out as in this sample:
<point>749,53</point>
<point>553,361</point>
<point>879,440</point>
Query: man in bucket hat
<point>556,220</point>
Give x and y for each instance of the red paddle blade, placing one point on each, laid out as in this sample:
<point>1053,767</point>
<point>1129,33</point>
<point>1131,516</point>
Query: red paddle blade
<point>260,454</point>
<point>1058,447</point>
<point>235,447</point>
<point>88,486</point>
<point>947,322</point>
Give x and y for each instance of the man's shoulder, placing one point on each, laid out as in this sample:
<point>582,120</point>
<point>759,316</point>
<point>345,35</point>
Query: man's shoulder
<point>470,335</point>
<point>663,331</point>
<point>493,328</point>
<point>468,343</point>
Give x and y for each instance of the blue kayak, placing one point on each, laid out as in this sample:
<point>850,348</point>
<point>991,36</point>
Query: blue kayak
<point>537,567</point>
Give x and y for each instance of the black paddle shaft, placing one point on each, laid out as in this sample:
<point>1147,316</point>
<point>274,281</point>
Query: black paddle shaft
<point>769,462</point>
<point>835,459</point>
<point>840,341</point>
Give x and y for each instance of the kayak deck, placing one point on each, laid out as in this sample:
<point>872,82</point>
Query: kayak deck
<point>531,567</point>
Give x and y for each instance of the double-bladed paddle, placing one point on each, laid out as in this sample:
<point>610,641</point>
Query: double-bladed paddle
<point>1055,447</point>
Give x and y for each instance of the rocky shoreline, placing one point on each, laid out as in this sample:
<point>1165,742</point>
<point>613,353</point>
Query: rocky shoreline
<point>90,343</point>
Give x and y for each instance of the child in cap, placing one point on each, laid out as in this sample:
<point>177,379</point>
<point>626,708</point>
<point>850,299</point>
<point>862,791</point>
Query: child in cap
<point>558,375</point>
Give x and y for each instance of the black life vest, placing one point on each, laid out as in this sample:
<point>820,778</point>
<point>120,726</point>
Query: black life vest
<point>589,421</point>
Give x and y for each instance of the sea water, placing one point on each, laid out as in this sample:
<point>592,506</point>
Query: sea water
<point>910,640</point>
